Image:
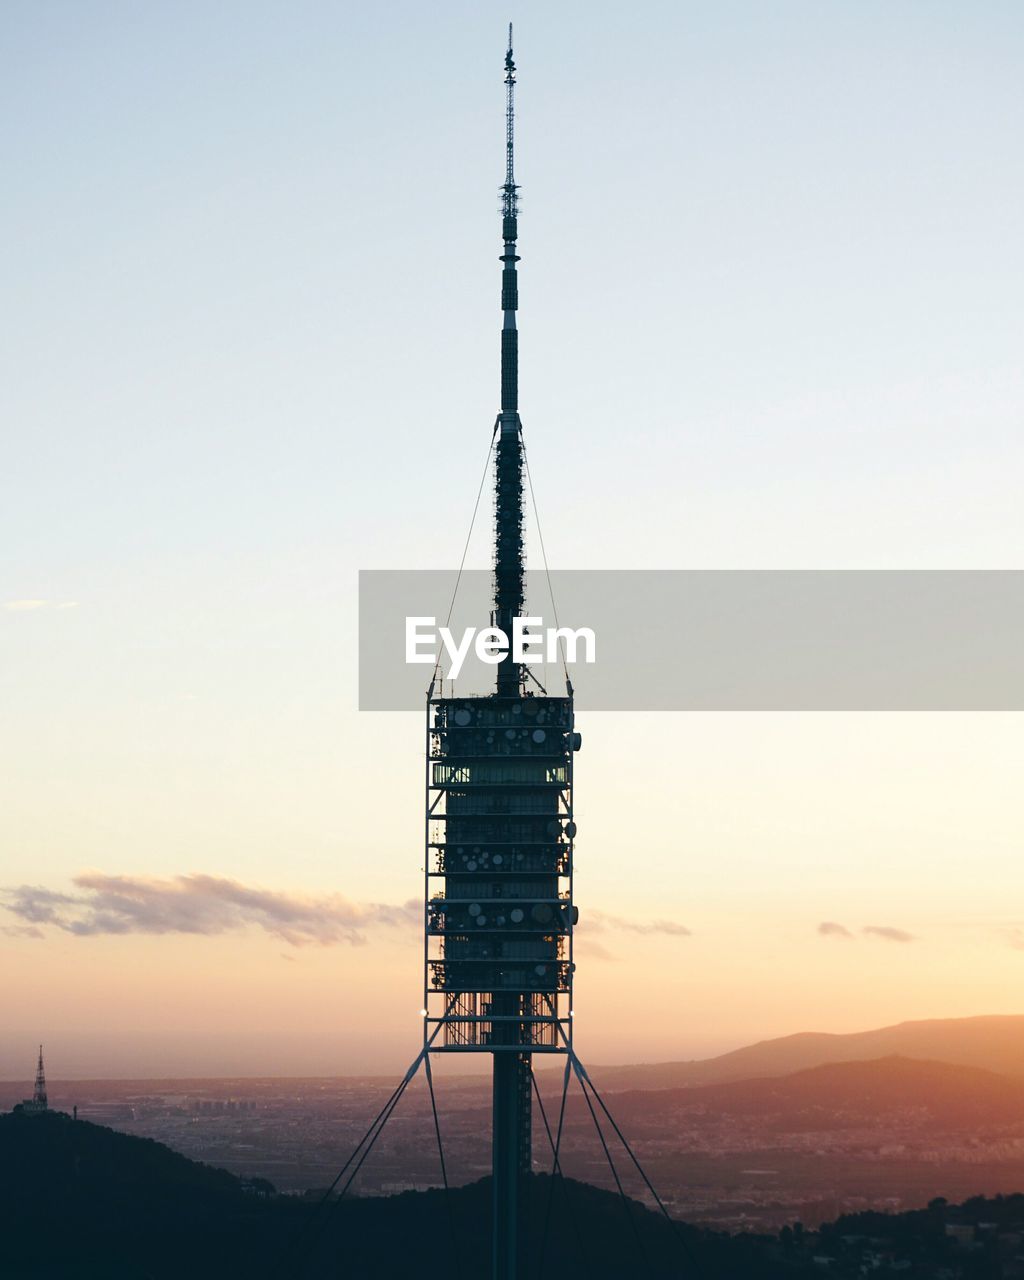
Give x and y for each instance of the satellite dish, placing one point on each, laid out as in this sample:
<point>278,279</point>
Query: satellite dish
<point>541,913</point>
<point>570,829</point>
<point>474,908</point>
<point>463,717</point>
<point>539,735</point>
<point>516,915</point>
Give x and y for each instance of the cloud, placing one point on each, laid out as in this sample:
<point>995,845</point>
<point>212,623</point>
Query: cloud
<point>209,905</point>
<point>22,931</point>
<point>30,606</point>
<point>599,921</point>
<point>585,946</point>
<point>829,929</point>
<point>887,932</point>
<point>199,904</point>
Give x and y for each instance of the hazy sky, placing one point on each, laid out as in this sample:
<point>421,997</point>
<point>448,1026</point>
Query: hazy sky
<point>770,310</point>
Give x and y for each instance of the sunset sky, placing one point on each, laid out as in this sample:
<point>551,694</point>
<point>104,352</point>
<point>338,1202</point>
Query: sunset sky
<point>771,318</point>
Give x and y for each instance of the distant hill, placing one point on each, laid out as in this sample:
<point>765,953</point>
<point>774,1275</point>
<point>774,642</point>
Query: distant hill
<point>841,1095</point>
<point>56,1155</point>
<point>81,1202</point>
<point>993,1043</point>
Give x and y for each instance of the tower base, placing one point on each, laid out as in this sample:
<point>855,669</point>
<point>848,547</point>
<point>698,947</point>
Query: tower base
<point>511,1159</point>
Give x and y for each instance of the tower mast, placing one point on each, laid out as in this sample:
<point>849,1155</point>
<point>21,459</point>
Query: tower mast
<point>39,1092</point>
<point>508,507</point>
<point>511,1124</point>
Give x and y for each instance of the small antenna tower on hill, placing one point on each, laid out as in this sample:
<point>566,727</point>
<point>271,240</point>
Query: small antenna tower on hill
<point>39,1092</point>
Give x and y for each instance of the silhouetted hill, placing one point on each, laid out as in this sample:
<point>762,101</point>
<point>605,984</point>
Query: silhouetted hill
<point>81,1202</point>
<point>993,1043</point>
<point>65,1155</point>
<point>845,1094</point>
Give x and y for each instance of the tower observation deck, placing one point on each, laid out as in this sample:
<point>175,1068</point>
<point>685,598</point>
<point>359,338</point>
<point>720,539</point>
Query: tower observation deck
<point>499,825</point>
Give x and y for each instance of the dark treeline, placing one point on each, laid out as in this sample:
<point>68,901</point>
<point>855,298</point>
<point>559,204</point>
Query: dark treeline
<point>82,1202</point>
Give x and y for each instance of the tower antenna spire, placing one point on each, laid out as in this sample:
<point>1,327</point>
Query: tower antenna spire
<point>509,555</point>
<point>39,1092</point>
<point>509,203</point>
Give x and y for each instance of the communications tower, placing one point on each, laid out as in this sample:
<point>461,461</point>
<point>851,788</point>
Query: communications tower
<point>38,1103</point>
<point>499,837</point>
<point>499,825</point>
<point>39,1092</point>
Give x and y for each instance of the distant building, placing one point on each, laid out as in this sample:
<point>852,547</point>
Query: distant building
<point>37,1104</point>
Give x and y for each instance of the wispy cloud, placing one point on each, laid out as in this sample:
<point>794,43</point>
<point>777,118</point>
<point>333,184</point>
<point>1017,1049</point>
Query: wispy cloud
<point>887,933</point>
<point>21,931</point>
<point>832,929</point>
<point>599,921</point>
<point>30,606</point>
<point>592,950</point>
<point>209,905</point>
<point>200,904</point>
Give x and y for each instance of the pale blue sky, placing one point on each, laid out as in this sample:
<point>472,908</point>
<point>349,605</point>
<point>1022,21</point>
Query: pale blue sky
<point>771,316</point>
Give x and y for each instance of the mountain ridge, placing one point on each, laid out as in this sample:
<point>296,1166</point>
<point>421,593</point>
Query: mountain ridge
<point>990,1041</point>
<point>839,1095</point>
<point>993,1042</point>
